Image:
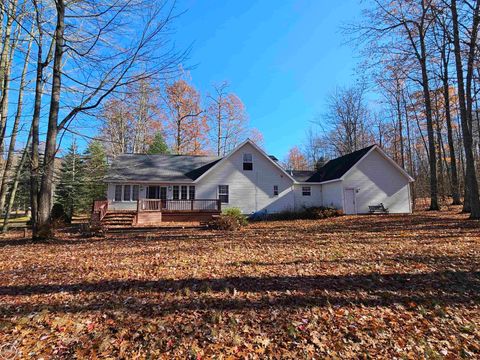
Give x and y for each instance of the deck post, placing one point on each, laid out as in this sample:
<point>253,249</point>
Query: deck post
<point>219,205</point>
<point>138,211</point>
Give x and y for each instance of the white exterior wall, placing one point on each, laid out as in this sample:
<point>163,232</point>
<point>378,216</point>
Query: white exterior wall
<point>378,181</point>
<point>332,195</point>
<point>301,201</point>
<point>251,191</point>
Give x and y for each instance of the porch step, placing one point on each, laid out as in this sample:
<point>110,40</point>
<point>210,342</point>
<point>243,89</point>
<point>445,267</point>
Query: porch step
<point>114,220</point>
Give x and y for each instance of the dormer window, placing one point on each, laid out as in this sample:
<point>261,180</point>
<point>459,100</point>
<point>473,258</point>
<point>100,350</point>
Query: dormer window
<point>247,162</point>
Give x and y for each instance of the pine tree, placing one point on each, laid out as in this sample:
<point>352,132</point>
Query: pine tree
<point>95,170</point>
<point>70,189</point>
<point>158,145</point>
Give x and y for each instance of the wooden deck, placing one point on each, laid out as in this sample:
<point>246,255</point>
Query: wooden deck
<point>154,212</point>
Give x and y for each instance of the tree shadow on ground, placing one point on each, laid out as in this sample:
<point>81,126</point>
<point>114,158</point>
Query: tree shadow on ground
<point>428,289</point>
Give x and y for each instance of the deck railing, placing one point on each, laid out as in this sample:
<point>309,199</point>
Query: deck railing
<point>207,205</point>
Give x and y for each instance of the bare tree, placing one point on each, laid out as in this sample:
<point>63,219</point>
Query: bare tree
<point>130,121</point>
<point>87,68</point>
<point>187,128</point>
<point>227,119</point>
<point>402,27</point>
<point>347,120</point>
<point>464,87</point>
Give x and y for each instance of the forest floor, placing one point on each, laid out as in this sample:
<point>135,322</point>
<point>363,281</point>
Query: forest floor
<point>349,287</point>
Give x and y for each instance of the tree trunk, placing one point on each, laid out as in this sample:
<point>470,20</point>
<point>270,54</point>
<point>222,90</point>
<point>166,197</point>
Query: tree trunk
<point>34,158</point>
<point>46,186</point>
<point>16,180</point>
<point>451,145</point>
<point>431,139</point>
<point>5,69</point>
<point>470,176</point>
<point>18,115</point>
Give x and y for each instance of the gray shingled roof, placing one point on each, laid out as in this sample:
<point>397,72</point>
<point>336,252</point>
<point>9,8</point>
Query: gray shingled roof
<point>336,168</point>
<point>164,168</point>
<point>186,168</point>
<point>333,169</point>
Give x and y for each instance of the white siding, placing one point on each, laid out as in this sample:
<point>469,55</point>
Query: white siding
<point>378,181</point>
<point>315,199</point>
<point>332,195</point>
<point>251,191</point>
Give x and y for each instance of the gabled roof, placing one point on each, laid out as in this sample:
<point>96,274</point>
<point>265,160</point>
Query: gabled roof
<point>256,147</point>
<point>336,168</point>
<point>146,168</point>
<point>191,168</point>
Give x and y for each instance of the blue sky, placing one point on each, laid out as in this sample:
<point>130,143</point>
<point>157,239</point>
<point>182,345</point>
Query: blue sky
<point>282,58</point>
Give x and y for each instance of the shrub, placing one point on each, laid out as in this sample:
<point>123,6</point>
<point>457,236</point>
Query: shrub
<point>231,219</point>
<point>310,213</point>
<point>236,213</point>
<point>59,215</point>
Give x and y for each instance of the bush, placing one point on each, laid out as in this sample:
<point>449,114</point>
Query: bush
<point>59,215</point>
<point>311,213</point>
<point>231,219</point>
<point>236,213</point>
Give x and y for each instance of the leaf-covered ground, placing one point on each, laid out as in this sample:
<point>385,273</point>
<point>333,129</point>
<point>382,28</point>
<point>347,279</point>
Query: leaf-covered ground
<point>349,287</point>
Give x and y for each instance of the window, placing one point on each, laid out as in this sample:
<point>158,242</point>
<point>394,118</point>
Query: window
<point>126,192</point>
<point>118,192</point>
<point>183,192</point>
<point>176,193</point>
<point>135,189</point>
<point>191,192</point>
<point>275,190</point>
<point>152,192</point>
<point>223,193</point>
<point>247,162</point>
<point>306,191</point>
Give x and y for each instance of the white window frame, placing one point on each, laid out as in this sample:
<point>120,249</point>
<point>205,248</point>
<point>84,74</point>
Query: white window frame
<point>135,190</point>
<point>224,193</point>
<point>275,190</point>
<point>177,188</point>
<point>306,191</point>
<point>122,192</point>
<point>115,193</point>
<point>191,191</point>
<point>183,192</point>
<point>247,159</point>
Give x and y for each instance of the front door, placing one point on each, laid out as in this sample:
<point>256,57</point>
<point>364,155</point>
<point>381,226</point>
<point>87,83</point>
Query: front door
<point>349,205</point>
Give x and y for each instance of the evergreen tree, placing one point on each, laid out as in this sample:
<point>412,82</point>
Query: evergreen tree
<point>158,145</point>
<point>71,183</point>
<point>95,170</point>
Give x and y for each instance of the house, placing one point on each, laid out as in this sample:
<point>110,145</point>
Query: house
<point>182,187</point>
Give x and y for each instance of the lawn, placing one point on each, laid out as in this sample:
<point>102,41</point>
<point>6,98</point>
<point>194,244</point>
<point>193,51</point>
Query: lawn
<point>349,287</point>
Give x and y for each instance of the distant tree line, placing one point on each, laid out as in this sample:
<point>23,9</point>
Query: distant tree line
<point>177,116</point>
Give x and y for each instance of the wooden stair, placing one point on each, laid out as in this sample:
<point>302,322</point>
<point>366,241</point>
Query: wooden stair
<point>118,220</point>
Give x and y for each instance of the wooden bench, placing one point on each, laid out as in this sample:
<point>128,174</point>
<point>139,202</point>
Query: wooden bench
<point>377,209</point>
